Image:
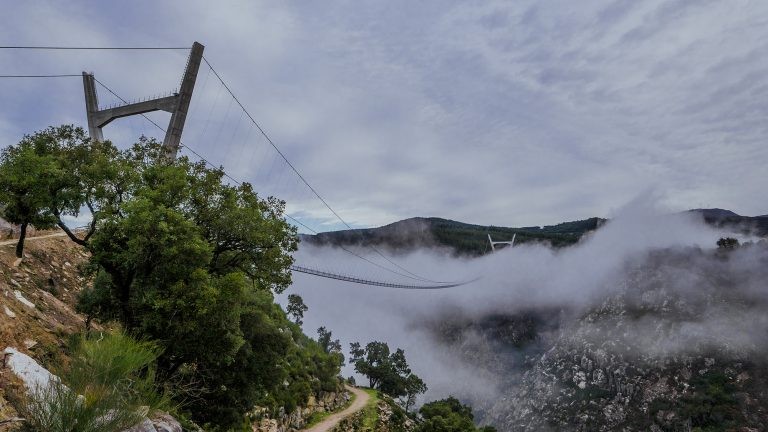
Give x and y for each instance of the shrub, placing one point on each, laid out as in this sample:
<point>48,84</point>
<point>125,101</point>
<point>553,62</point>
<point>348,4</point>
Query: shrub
<point>109,386</point>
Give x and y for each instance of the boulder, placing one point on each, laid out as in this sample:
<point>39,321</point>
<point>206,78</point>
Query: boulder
<point>166,423</point>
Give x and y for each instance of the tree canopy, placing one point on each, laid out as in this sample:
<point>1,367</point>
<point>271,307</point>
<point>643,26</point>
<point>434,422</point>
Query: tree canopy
<point>296,308</point>
<point>387,371</point>
<point>30,173</point>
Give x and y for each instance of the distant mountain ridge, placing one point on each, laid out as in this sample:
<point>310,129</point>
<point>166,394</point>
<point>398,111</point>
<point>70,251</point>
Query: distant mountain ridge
<point>471,239</point>
<point>721,218</point>
<point>463,238</point>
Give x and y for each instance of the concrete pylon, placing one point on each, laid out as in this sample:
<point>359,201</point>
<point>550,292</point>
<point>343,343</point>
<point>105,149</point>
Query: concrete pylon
<point>91,106</point>
<point>494,243</point>
<point>177,104</point>
<point>179,116</point>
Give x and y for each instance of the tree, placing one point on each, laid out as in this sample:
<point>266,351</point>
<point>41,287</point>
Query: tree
<point>387,372</point>
<point>728,243</point>
<point>329,345</point>
<point>448,415</point>
<point>296,308</point>
<point>27,173</point>
<point>191,262</point>
<point>325,339</point>
<point>56,173</point>
<point>414,386</point>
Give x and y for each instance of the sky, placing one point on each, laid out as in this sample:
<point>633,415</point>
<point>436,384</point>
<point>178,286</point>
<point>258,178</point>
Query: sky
<point>507,113</point>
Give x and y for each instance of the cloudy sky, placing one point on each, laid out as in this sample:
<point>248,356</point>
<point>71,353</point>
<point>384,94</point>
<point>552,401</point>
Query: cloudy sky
<point>506,113</point>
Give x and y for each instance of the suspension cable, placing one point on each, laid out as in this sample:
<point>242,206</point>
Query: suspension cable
<point>304,180</point>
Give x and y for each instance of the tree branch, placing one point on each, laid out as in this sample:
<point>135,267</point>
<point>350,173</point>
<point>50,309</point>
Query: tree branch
<point>92,228</point>
<point>69,233</point>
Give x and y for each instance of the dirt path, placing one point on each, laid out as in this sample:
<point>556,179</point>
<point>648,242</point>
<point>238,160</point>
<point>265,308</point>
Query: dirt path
<point>361,399</point>
<point>14,241</point>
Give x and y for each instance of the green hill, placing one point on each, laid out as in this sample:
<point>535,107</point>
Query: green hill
<point>472,240</point>
<point>463,238</point>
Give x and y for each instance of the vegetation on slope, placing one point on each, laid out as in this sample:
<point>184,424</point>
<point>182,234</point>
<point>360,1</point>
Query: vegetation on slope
<point>108,386</point>
<point>387,372</point>
<point>186,261</point>
<point>448,415</point>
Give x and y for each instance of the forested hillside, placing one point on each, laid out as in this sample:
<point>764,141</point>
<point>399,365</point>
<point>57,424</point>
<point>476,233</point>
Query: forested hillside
<point>462,238</point>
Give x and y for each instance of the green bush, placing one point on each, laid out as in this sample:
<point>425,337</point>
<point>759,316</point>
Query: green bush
<point>448,415</point>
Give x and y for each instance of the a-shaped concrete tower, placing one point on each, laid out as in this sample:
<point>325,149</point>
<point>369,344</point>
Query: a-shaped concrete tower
<point>177,104</point>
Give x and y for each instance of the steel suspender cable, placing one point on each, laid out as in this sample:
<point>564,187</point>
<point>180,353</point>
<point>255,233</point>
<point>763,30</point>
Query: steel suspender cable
<point>304,180</point>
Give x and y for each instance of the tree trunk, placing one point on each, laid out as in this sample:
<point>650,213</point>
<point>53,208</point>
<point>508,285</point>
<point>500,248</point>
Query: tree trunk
<point>124,297</point>
<point>20,244</point>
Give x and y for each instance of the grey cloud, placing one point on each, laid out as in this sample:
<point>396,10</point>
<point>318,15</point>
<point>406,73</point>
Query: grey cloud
<point>533,112</point>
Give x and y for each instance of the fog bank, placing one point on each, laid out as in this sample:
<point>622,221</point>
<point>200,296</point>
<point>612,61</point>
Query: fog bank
<point>512,280</point>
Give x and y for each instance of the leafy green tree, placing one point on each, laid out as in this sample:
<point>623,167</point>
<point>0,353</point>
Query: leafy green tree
<point>330,346</point>
<point>325,339</point>
<point>296,308</point>
<point>414,386</point>
<point>386,371</point>
<point>191,262</point>
<point>56,173</point>
<point>27,174</point>
<point>448,415</point>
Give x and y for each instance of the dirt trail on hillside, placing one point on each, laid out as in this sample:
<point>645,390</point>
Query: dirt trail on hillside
<point>361,399</point>
<point>14,241</point>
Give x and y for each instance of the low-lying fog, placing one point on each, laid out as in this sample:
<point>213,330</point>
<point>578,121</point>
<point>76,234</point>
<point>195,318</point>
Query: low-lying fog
<point>513,279</point>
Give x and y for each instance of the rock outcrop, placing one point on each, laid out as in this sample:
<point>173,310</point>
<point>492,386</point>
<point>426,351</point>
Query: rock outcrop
<point>389,417</point>
<point>36,378</point>
<point>296,420</point>
<point>678,343</point>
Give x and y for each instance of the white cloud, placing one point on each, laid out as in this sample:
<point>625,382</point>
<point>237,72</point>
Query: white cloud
<point>506,113</point>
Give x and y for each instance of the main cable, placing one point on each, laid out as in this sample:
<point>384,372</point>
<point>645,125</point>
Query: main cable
<point>304,180</point>
<point>41,76</point>
<point>30,47</point>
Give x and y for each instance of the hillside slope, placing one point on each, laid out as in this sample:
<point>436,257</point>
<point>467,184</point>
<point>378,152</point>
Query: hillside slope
<point>37,304</point>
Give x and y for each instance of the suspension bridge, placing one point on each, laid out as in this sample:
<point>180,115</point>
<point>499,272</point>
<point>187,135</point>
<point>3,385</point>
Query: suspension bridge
<point>267,166</point>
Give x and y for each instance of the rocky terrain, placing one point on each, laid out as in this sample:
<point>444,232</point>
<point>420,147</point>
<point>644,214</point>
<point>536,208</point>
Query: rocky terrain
<point>37,299</point>
<point>678,344</point>
<point>299,418</point>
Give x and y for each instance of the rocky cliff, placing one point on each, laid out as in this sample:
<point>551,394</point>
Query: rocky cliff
<point>678,344</point>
